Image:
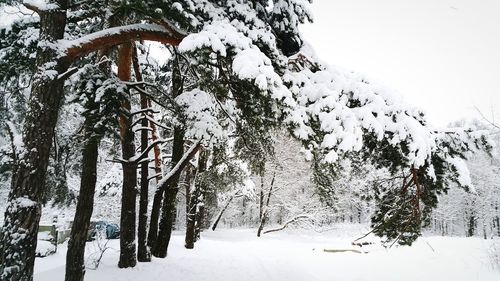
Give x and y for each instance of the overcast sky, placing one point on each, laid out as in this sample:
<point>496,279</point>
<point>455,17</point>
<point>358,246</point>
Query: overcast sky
<point>441,55</point>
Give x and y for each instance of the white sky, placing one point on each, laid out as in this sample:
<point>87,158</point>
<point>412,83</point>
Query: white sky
<point>440,55</point>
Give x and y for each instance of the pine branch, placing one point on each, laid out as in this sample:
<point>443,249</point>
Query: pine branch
<point>118,35</point>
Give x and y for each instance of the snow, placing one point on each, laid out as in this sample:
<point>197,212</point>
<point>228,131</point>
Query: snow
<point>293,256</point>
<point>463,178</point>
<point>44,248</point>
<point>68,44</point>
<point>249,62</point>
<point>41,5</point>
<point>200,110</point>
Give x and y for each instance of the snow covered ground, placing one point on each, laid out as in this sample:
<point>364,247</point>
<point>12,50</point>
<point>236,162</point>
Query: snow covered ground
<point>293,256</point>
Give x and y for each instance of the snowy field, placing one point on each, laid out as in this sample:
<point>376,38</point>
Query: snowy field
<point>293,256</point>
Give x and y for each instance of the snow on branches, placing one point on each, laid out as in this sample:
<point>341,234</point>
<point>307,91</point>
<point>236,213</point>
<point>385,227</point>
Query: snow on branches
<point>201,113</point>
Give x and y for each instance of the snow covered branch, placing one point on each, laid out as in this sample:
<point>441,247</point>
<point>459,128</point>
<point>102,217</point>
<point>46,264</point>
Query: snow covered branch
<point>162,185</point>
<point>286,224</point>
<point>145,110</point>
<point>144,154</point>
<point>40,7</point>
<point>119,35</point>
<point>152,121</point>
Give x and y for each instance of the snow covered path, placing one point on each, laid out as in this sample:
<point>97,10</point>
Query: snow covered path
<point>292,256</point>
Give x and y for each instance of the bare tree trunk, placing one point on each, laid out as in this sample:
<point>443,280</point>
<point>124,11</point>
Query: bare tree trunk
<point>75,266</point>
<point>143,254</point>
<point>22,215</point>
<point>129,193</point>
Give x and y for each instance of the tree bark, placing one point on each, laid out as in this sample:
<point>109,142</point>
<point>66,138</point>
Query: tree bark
<point>22,215</point>
<point>75,266</point>
<point>128,213</point>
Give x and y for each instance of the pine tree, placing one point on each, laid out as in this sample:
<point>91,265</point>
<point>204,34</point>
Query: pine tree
<point>47,93</point>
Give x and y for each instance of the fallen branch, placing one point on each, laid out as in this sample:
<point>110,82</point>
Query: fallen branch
<point>343,251</point>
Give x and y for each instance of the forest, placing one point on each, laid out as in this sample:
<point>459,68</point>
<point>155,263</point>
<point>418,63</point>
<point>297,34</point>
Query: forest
<point>131,131</point>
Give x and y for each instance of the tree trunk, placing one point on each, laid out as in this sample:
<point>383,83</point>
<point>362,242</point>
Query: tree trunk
<point>169,195</point>
<point>191,201</point>
<point>266,210</point>
<point>201,190</point>
<point>22,215</point>
<point>497,219</point>
<point>143,254</point>
<point>261,198</point>
<point>154,231</point>
<point>471,226</point>
<point>219,216</point>
<point>169,199</point>
<point>127,219</point>
<point>156,149</point>
<point>75,266</point>
<point>155,210</point>
<point>155,217</point>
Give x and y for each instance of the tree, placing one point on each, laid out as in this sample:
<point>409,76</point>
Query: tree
<point>23,213</point>
<point>100,117</point>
